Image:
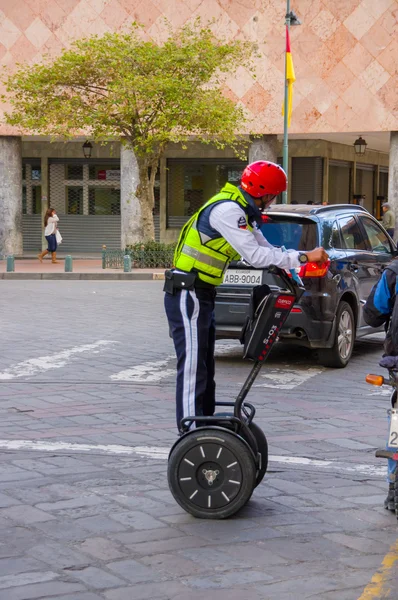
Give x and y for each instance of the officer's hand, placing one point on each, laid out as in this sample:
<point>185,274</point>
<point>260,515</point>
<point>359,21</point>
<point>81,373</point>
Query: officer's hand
<point>318,255</point>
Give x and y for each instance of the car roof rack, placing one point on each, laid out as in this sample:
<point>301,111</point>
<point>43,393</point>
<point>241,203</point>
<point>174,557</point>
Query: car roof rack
<point>318,209</point>
<point>311,209</point>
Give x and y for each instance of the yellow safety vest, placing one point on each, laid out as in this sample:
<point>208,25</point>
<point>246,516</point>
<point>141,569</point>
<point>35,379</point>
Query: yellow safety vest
<point>208,259</point>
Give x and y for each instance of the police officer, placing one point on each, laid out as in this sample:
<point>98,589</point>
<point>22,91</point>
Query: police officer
<point>224,229</point>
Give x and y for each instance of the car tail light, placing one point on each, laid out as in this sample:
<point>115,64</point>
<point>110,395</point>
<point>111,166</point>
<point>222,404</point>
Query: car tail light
<point>296,309</point>
<point>313,269</point>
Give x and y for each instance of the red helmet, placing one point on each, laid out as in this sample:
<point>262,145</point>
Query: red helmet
<point>263,177</point>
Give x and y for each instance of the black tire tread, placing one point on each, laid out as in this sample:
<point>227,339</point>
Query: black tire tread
<point>246,459</point>
<point>330,357</point>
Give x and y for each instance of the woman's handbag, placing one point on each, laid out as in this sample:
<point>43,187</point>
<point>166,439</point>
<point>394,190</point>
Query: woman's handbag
<point>58,237</point>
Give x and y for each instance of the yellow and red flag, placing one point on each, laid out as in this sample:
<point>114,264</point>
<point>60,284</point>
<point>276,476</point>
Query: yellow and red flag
<point>290,78</point>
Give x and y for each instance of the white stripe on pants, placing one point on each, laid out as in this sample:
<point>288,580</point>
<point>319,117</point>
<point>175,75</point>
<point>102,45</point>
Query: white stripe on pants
<point>191,351</point>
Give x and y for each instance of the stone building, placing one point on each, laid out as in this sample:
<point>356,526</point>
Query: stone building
<point>345,56</point>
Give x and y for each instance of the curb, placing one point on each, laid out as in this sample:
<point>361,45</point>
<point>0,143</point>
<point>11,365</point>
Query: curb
<point>85,276</point>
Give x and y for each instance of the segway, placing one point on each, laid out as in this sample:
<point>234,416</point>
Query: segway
<point>214,466</point>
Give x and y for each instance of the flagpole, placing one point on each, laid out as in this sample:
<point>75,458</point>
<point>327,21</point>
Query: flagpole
<point>286,112</point>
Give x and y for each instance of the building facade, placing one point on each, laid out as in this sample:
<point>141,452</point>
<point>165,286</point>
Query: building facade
<point>345,56</point>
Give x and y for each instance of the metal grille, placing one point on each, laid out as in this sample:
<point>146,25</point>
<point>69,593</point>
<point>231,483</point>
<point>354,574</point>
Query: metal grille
<point>88,209</point>
<point>307,180</point>
<point>32,228</point>
<point>85,234</point>
<point>75,200</point>
<point>191,182</point>
<point>74,172</point>
<point>104,201</point>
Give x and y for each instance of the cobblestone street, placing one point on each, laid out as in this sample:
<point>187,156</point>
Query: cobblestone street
<point>87,419</point>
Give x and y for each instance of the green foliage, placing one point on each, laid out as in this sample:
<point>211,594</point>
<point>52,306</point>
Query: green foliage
<point>151,254</point>
<point>151,246</point>
<point>145,94</point>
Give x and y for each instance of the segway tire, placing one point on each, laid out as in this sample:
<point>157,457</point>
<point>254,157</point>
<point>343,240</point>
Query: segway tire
<point>211,473</point>
<point>263,450</point>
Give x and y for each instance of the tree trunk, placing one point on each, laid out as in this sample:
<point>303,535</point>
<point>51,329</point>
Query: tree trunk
<point>146,198</point>
<point>137,197</point>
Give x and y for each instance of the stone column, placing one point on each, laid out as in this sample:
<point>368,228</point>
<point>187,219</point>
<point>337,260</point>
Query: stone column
<point>393,176</point>
<point>129,204</point>
<point>264,148</point>
<point>10,195</point>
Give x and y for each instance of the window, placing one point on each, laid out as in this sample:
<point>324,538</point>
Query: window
<point>377,238</point>
<point>31,186</point>
<point>104,173</point>
<point>297,234</point>
<point>74,172</point>
<point>74,200</point>
<point>351,234</point>
<point>330,234</point>
<point>36,200</point>
<point>191,182</point>
<point>103,201</point>
<point>335,239</point>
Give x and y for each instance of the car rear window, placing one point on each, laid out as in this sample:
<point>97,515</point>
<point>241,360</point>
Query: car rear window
<point>295,234</point>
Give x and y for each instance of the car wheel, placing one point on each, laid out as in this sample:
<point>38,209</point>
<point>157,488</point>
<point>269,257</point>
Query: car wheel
<point>339,354</point>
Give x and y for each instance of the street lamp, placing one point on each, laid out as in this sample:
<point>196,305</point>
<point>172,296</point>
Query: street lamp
<point>360,146</point>
<point>291,20</point>
<point>87,148</point>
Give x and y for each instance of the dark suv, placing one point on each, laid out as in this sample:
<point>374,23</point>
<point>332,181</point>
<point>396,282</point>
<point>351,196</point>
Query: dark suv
<point>329,315</point>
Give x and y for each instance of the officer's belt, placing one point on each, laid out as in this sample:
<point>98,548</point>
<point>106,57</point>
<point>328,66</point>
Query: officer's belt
<point>204,258</point>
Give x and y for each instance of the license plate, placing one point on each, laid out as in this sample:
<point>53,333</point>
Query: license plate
<point>393,437</point>
<point>243,277</point>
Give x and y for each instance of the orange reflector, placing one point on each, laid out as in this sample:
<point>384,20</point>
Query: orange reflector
<point>374,379</point>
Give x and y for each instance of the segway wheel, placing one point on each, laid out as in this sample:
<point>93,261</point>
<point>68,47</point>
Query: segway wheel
<point>211,473</point>
<point>262,448</point>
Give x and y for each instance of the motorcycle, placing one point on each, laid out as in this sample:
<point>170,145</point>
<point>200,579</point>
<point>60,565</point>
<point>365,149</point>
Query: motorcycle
<point>391,450</point>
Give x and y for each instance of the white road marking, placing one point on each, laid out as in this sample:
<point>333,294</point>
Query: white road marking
<point>162,453</point>
<point>33,366</point>
<point>381,391</point>
<point>149,372</point>
<point>286,379</point>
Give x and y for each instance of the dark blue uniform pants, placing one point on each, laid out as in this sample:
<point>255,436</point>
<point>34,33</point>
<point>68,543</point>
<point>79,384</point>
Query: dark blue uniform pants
<point>191,320</point>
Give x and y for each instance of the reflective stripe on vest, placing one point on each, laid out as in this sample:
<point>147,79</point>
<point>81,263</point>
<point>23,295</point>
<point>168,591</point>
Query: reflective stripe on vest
<point>204,258</point>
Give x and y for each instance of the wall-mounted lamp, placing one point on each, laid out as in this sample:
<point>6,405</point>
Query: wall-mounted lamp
<point>87,148</point>
<point>360,146</point>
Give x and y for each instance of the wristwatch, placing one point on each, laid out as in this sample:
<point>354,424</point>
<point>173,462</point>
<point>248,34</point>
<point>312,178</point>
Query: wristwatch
<point>303,259</point>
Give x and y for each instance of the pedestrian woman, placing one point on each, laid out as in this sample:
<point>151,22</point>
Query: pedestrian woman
<point>50,224</point>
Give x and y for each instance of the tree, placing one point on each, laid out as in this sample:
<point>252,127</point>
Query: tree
<point>146,95</point>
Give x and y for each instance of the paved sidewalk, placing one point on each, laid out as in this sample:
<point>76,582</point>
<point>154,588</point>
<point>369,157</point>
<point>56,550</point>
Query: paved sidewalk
<point>82,269</point>
<point>80,519</point>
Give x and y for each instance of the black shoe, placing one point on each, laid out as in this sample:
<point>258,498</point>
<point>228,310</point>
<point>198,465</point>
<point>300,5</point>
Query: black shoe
<point>389,502</point>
